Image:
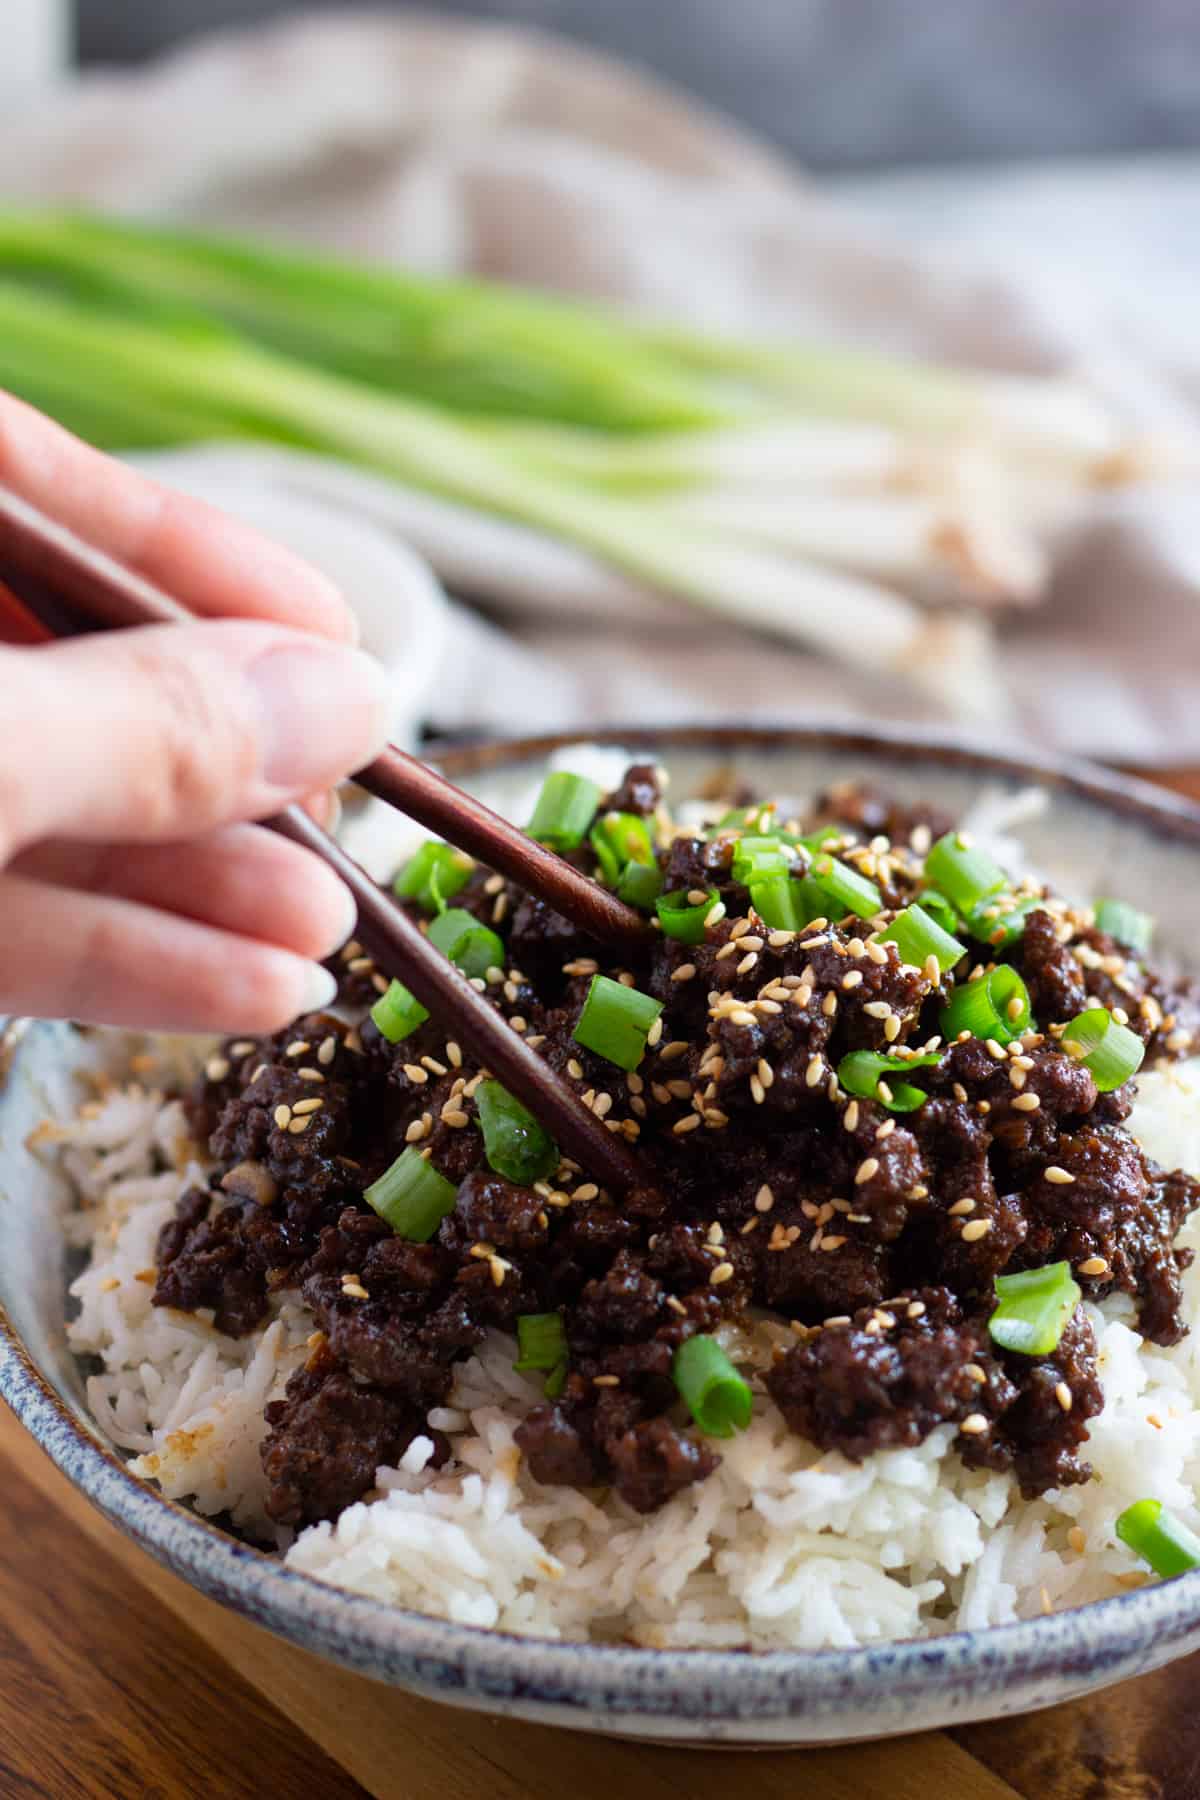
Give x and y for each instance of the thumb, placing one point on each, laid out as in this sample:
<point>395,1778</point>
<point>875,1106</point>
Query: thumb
<point>167,732</point>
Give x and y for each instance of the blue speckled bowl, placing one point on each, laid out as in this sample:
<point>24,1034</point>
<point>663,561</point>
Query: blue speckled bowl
<point>1094,824</point>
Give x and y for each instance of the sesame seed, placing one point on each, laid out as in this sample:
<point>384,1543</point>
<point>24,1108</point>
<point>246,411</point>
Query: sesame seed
<point>740,1016</point>
<point>878,1009</point>
<point>764,1200</point>
<point>297,1126</point>
<point>602,1105</point>
<point>974,1424</point>
<point>454,1055</point>
<point>726,950</point>
<point>216,1068</point>
<point>359,966</point>
<point>866,1170</point>
<point>814,1071</point>
<point>1059,1177</point>
<point>453,1116</point>
<point>381,984</point>
<point>493,884</point>
<point>1017,1077</point>
<point>831,1243</point>
<point>1077,1540</point>
<point>283,1117</point>
<point>932,970</point>
<point>681,1089</point>
<point>995,1050</point>
<point>307,1106</point>
<point>676,1305</point>
<point>1063,1395</point>
<point>876,951</point>
<point>416,1074</point>
<point>654,1035</point>
<point>779,940</point>
<point>975,1372</point>
<point>739,928</point>
<point>976,1229</point>
<point>415,1132</point>
<point>1026,1103</point>
<point>690,1123</point>
<point>721,1274</point>
<point>965,1205</point>
<point>885,1130</point>
<point>352,1289</point>
<point>109,1284</point>
<point>675,1049</point>
<point>754,943</point>
<point>852,978</point>
<point>884,1091</point>
<point>1095,1265</point>
<point>850,1116</point>
<point>746,964</point>
<point>829,1005</point>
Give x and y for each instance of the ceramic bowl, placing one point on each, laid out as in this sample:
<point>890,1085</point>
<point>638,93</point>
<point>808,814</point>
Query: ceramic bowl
<point>1093,833</point>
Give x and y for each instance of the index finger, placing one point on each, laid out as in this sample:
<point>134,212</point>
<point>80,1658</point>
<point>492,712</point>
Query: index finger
<point>207,561</point>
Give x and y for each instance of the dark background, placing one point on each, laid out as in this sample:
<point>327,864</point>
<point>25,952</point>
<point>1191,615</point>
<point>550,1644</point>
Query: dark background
<point>842,83</point>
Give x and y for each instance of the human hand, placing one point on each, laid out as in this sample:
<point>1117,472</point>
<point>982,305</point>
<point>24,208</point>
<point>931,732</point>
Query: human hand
<point>132,889</point>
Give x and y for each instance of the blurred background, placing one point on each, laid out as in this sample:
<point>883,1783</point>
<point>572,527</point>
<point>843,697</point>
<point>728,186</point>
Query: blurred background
<point>867,383</point>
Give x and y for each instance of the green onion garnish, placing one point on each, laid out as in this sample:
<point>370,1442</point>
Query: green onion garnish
<point>918,936</point>
<point>555,1381</point>
<point>868,1073</point>
<point>412,1197</point>
<point>615,1021</point>
<point>618,840</point>
<point>680,919</point>
<point>1112,1052</point>
<point>758,818</point>
<point>541,1341</point>
<point>995,1005</point>
<point>1032,1308</point>
<point>1159,1538</point>
<point>434,875</point>
<point>755,858</point>
<point>1130,927</point>
<point>844,885</point>
<point>472,947</point>
<point>398,1013</point>
<point>640,885</point>
<point>961,872</point>
<point>941,911</point>
<point>712,1390</point>
<point>779,903</point>
<point>515,1144</point>
<point>815,841</point>
<point>998,920</point>
<point>565,809</point>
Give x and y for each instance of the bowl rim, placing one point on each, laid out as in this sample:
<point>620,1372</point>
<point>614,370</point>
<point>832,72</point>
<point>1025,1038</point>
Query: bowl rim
<point>468,1664</point>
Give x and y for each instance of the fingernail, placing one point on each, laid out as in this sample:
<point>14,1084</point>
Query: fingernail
<point>348,924</point>
<point>320,989</point>
<point>323,712</point>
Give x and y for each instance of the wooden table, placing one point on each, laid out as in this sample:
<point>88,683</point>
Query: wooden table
<point>117,1680</point>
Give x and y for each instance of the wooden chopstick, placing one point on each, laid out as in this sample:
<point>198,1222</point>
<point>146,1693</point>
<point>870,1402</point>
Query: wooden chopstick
<point>38,558</point>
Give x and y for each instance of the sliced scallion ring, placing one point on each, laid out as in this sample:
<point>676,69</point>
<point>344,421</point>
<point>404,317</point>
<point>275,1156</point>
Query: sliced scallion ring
<point>640,885</point>
<point>411,1197</point>
<point>1126,924</point>
<point>941,911</point>
<point>961,871</point>
<point>779,902</point>
<point>994,1005</point>
<point>683,919</point>
<point>712,1390</point>
<point>871,1076</point>
<point>398,1013</point>
<point>756,858</point>
<point>618,840</point>
<point>541,1341</point>
<point>845,887</point>
<point>999,919</point>
<point>433,875</point>
<point>1032,1308</point>
<point>918,936</point>
<point>1159,1538</point>
<point>1112,1052</point>
<point>515,1145</point>
<point>471,947</point>
<point>565,809</point>
<point>615,1021</point>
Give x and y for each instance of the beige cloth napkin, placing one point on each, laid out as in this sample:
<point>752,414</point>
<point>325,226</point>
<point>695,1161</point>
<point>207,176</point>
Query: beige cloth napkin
<point>459,146</point>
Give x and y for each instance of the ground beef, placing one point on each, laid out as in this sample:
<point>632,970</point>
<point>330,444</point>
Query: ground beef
<point>877,1233</point>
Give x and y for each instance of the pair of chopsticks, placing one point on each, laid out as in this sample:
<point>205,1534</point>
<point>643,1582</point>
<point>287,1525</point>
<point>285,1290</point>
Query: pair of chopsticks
<point>52,584</point>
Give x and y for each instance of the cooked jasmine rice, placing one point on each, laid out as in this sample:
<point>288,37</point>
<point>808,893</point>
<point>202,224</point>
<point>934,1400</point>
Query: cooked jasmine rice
<point>781,1548</point>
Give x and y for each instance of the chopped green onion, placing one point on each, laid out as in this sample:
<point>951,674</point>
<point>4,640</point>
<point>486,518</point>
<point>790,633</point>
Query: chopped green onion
<point>565,809</point>
<point>412,1197</point>
<point>868,1073</point>
<point>1032,1308</point>
<point>472,947</point>
<point>757,818</point>
<point>398,1013</point>
<point>754,858</point>
<point>815,841</point>
<point>813,902</point>
<point>846,886</point>
<point>941,911</point>
<point>680,919</point>
<point>712,1390</point>
<point>1112,1052</point>
<point>433,875</point>
<point>918,936</point>
<point>963,873</point>
<point>615,1021</point>
<point>618,840</point>
<point>995,1005</point>
<point>1159,1538</point>
<point>541,1341</point>
<point>515,1144</point>
<point>640,885</point>
<point>999,920</point>
<point>779,903</point>
<point>1130,927</point>
<point>555,1381</point>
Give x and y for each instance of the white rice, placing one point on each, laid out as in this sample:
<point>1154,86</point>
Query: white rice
<point>782,1547</point>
